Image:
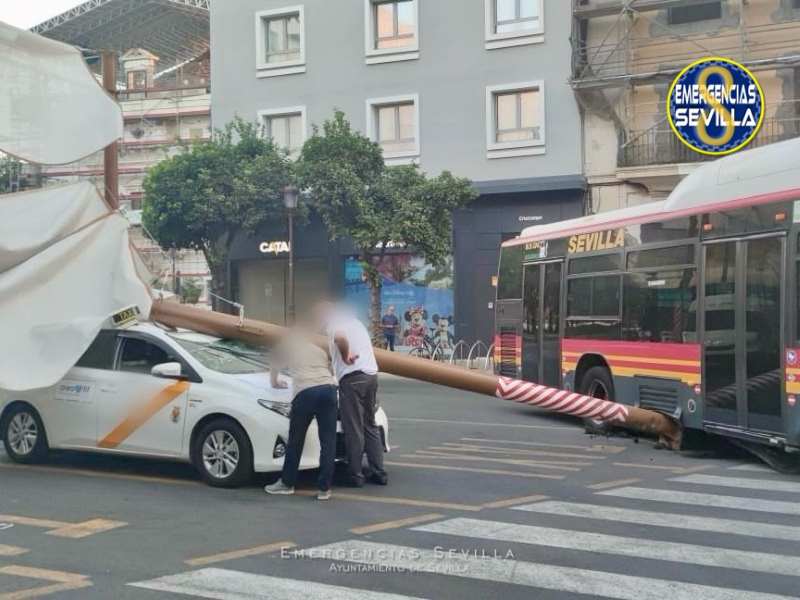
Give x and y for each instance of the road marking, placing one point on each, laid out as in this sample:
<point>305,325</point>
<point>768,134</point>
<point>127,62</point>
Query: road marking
<point>513,451</point>
<point>60,582</point>
<point>537,575</point>
<point>34,522</point>
<point>611,484</point>
<point>712,500</point>
<point>553,465</point>
<point>672,468</point>
<point>662,519</point>
<point>474,470</point>
<point>594,448</point>
<point>92,527</point>
<point>395,524</point>
<point>201,561</point>
<point>399,501</point>
<point>601,543</point>
<point>477,423</point>
<point>752,467</point>
<point>12,550</point>
<point>514,501</point>
<point>222,584</point>
<point>742,483</point>
<point>101,474</point>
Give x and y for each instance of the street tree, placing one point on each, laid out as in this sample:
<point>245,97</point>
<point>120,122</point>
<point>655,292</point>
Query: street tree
<point>376,206</point>
<point>202,197</point>
<point>9,172</point>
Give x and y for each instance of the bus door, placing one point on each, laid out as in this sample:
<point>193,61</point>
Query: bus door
<point>541,322</point>
<point>742,332</point>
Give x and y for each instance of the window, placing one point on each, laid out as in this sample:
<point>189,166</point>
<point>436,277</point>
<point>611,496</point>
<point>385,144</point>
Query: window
<point>513,23</point>
<point>137,80</point>
<point>593,297</point>
<point>661,257</point>
<point>392,30</point>
<point>140,356</point>
<point>660,306</point>
<point>394,124</point>
<point>595,264</point>
<point>515,120</point>
<point>280,42</point>
<point>100,354</point>
<point>509,282</point>
<point>694,12</point>
<point>286,127</point>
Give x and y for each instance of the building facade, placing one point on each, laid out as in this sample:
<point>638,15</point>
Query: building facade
<point>477,87</point>
<point>626,55</point>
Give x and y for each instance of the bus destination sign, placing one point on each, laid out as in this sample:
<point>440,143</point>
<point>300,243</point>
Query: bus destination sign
<point>598,240</point>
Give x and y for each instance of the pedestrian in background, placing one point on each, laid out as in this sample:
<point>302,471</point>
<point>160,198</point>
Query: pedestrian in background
<point>314,389</point>
<point>390,324</point>
<point>356,370</point>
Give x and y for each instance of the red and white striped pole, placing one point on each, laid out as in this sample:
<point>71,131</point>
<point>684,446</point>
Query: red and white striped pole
<point>523,392</point>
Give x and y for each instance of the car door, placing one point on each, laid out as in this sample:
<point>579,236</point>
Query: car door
<point>141,413</point>
<point>71,417</point>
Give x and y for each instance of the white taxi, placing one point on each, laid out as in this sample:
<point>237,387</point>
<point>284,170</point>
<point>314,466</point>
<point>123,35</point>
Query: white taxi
<point>152,392</point>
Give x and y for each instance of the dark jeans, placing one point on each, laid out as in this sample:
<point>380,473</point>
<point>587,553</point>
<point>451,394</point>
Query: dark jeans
<point>389,341</point>
<point>357,405</point>
<point>319,402</point>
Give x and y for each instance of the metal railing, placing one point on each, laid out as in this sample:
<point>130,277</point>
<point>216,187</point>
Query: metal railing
<point>659,145</point>
<point>457,354</point>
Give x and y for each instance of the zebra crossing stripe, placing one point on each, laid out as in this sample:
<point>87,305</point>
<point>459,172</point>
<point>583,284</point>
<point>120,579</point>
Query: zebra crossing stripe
<point>713,500</point>
<point>537,575</point>
<point>766,485</point>
<point>224,584</point>
<point>617,545</point>
<point>660,519</point>
<point>752,467</point>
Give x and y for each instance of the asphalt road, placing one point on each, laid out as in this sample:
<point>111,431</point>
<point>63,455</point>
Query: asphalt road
<point>486,500</point>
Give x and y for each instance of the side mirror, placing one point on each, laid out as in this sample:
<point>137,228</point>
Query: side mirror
<point>170,370</point>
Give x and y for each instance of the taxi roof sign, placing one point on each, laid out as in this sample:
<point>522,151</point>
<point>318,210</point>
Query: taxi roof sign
<point>125,317</point>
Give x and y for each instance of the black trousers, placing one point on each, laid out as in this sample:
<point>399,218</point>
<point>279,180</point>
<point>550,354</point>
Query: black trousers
<point>319,402</point>
<point>390,337</point>
<point>357,404</point>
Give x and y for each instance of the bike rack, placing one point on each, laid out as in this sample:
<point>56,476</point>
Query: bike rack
<point>454,351</point>
<point>489,358</point>
<point>472,355</point>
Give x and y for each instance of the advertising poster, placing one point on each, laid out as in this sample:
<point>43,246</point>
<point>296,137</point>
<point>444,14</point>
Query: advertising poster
<point>422,296</point>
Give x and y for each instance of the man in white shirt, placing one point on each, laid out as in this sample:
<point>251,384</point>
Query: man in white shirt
<point>355,368</point>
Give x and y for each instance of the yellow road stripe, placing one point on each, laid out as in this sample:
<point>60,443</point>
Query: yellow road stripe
<point>475,470</point>
<point>399,501</point>
<point>595,448</point>
<point>234,554</point>
<point>45,590</point>
<point>675,469</point>
<point>546,465</point>
<point>12,550</point>
<point>143,414</point>
<point>397,523</point>
<point>33,522</point>
<point>514,501</point>
<point>87,528</point>
<point>43,574</point>
<point>611,484</point>
<point>102,474</point>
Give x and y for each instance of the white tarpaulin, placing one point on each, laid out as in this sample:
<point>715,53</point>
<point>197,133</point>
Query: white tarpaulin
<point>52,109</point>
<point>66,270</point>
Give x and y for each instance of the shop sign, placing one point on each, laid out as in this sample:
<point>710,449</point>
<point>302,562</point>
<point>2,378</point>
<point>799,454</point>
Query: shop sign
<point>276,247</point>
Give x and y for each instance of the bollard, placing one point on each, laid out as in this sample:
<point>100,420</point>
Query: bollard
<point>547,398</point>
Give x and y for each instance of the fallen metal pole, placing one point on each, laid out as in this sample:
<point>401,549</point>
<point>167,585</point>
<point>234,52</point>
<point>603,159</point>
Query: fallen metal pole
<point>547,398</point>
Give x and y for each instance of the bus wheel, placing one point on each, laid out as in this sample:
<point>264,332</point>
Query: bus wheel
<point>597,383</point>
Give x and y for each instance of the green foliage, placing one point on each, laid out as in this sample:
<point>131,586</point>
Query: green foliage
<point>9,168</point>
<point>191,290</point>
<point>203,197</point>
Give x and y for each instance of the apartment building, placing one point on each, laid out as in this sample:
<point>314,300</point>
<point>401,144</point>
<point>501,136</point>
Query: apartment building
<point>625,56</point>
<point>477,87</point>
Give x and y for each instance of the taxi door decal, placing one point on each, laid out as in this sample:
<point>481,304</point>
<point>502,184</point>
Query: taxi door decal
<point>143,414</point>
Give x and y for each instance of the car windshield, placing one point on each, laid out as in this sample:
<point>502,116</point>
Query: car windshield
<point>231,357</point>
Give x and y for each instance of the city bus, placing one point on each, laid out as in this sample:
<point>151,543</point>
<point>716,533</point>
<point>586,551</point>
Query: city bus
<point>687,306</point>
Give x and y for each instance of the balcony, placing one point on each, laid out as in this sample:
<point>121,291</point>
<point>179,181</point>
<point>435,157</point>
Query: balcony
<point>660,146</point>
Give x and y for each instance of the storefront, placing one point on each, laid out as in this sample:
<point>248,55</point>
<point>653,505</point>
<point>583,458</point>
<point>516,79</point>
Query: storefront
<point>503,210</point>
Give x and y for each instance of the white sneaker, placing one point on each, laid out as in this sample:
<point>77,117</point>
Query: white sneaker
<point>326,495</point>
<point>279,489</point>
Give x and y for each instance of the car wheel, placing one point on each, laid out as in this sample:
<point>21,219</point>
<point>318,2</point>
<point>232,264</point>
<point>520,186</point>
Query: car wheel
<point>223,454</point>
<point>597,383</point>
<point>24,436</point>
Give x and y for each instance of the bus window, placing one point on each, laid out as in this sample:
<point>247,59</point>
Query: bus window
<point>595,264</point>
<point>509,282</point>
<point>661,257</point>
<point>593,297</point>
<point>660,307</point>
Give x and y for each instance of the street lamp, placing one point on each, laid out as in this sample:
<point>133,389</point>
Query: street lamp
<point>291,196</point>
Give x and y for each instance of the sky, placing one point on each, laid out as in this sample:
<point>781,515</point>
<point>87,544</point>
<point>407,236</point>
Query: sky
<point>27,13</point>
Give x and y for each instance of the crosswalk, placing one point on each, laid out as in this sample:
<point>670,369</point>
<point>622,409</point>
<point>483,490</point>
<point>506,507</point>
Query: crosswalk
<point>732,535</point>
